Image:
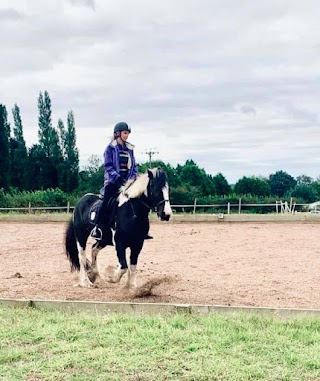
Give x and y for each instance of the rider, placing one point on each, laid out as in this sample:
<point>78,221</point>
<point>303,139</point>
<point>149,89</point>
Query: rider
<point>119,166</point>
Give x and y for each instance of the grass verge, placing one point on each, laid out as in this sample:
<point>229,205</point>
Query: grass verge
<point>54,345</point>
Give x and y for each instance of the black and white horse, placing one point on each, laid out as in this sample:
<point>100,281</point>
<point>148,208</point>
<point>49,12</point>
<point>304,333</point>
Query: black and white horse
<point>150,191</point>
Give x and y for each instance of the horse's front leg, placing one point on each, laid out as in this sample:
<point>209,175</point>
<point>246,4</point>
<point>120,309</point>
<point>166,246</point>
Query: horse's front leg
<point>84,267</point>
<point>122,267</point>
<point>132,274</point>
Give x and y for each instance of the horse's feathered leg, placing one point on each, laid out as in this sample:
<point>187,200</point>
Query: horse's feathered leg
<point>122,268</point>
<point>134,254</point>
<point>84,278</point>
<point>132,279</point>
<point>94,264</point>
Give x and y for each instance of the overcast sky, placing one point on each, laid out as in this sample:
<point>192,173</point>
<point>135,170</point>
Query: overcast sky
<point>232,84</point>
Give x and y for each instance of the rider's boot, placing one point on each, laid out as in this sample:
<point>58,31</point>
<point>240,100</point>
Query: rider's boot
<point>148,236</point>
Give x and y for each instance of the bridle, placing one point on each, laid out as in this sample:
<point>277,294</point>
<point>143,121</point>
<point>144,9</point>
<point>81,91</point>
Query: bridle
<point>150,204</point>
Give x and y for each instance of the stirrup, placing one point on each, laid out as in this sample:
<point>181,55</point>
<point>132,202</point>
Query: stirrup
<point>96,233</point>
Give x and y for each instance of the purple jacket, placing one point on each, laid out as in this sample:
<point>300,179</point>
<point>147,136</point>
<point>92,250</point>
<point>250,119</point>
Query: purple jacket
<point>111,163</point>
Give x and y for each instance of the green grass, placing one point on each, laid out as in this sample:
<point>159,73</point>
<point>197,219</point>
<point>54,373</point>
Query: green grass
<point>51,345</point>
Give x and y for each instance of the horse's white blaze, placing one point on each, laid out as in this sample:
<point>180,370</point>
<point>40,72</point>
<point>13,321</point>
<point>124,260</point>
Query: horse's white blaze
<point>167,206</point>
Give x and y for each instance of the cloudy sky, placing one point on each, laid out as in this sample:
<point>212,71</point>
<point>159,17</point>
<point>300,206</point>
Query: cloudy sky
<point>232,84</point>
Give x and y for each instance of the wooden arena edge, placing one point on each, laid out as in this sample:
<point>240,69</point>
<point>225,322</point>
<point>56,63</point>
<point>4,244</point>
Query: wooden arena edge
<point>154,309</point>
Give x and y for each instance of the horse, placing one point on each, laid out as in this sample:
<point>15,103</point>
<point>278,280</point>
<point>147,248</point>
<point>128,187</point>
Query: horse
<point>149,191</point>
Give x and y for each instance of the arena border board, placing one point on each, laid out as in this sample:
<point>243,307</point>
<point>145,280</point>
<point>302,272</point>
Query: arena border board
<point>155,309</point>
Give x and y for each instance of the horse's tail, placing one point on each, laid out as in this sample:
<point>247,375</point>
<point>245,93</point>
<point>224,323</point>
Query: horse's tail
<point>71,247</point>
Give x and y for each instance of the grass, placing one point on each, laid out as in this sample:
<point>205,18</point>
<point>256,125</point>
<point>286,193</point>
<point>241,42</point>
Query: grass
<point>52,345</point>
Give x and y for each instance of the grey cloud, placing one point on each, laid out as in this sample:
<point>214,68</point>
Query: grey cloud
<point>237,90</point>
<point>247,109</point>
<point>10,14</point>
<point>85,3</point>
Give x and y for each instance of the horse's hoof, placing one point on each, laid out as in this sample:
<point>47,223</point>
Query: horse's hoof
<point>87,284</point>
<point>93,276</point>
<point>118,274</point>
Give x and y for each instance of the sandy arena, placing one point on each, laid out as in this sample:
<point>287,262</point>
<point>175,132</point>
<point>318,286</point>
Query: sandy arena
<point>234,264</point>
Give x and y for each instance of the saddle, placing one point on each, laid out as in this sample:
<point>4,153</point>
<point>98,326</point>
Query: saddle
<point>109,218</point>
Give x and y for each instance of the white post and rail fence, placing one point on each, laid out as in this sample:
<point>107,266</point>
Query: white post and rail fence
<point>279,207</point>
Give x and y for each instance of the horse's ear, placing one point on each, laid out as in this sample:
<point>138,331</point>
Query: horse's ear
<point>150,174</point>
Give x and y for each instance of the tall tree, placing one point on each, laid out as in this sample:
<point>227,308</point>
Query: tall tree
<point>4,149</point>
<point>221,185</point>
<point>36,161</point>
<point>72,153</point>
<point>196,177</point>
<point>44,122</point>
<point>19,155</point>
<point>281,182</point>
<point>48,143</point>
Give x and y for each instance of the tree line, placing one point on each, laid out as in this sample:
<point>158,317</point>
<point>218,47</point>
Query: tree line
<point>48,172</point>
<point>51,163</point>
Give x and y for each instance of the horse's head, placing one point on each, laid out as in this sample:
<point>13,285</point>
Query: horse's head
<point>158,192</point>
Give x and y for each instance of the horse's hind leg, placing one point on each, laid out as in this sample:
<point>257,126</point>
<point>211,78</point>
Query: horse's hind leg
<point>84,279</point>
<point>94,271</point>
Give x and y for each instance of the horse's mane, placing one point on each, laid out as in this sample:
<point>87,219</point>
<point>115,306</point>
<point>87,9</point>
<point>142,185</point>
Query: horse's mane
<point>136,188</point>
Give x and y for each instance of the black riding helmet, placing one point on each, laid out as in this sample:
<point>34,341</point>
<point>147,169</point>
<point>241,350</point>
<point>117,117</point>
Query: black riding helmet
<point>121,126</point>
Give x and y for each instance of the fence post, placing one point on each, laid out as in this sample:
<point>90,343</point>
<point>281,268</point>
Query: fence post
<point>68,207</point>
<point>239,211</point>
<point>194,205</point>
<point>29,207</point>
<point>228,207</point>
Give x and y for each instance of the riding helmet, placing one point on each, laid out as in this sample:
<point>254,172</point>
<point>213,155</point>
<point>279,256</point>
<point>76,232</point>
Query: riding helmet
<point>121,126</point>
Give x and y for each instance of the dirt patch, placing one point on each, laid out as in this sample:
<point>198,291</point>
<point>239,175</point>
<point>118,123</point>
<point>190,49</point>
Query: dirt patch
<point>236,264</point>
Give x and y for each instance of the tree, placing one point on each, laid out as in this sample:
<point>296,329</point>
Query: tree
<point>19,155</point>
<point>4,149</point>
<point>6,123</point>
<point>91,178</point>
<point>49,144</point>
<point>304,179</point>
<point>304,192</point>
<point>36,159</point>
<point>71,154</point>
<point>281,183</point>
<point>252,185</point>
<point>195,177</point>
<point>221,185</point>
<point>173,177</point>
<point>316,186</point>
<point>44,122</point>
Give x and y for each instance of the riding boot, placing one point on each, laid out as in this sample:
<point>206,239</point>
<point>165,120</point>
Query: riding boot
<point>103,220</point>
<point>148,236</point>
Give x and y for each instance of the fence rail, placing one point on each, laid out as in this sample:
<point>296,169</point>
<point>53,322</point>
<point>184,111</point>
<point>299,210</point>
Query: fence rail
<point>278,207</point>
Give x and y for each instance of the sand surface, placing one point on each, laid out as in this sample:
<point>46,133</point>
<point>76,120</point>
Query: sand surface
<point>235,264</point>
